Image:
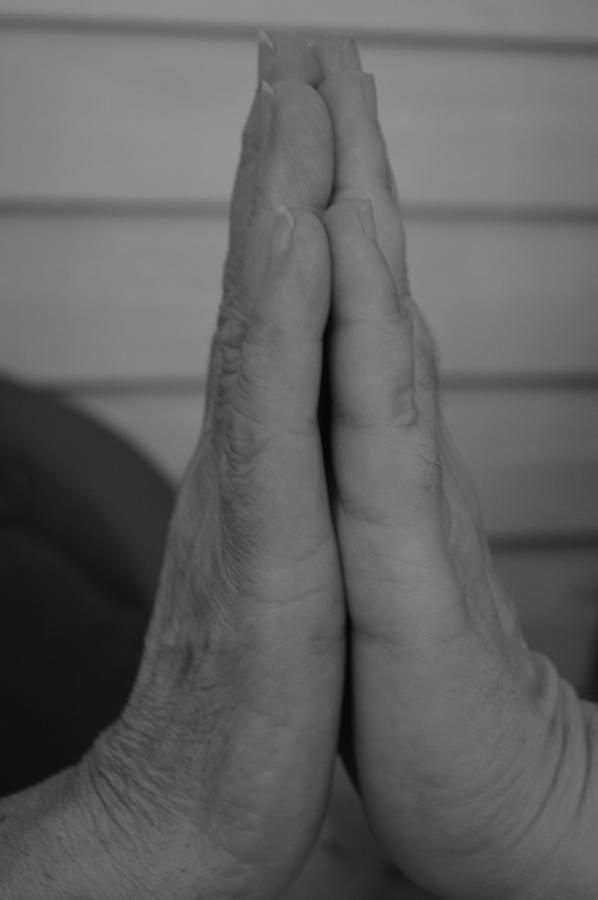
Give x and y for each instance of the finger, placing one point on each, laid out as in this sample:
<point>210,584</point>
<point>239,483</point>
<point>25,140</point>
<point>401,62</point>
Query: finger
<point>383,453</point>
<point>362,169</point>
<point>372,373</point>
<point>268,431</point>
<point>281,55</point>
<point>351,96</point>
<point>337,53</point>
<point>280,359</point>
<point>284,54</point>
<point>340,53</point>
<point>294,168</point>
<point>361,161</point>
<point>296,162</point>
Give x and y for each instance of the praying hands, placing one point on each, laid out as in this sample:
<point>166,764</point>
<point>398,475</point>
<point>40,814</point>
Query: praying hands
<point>325,516</point>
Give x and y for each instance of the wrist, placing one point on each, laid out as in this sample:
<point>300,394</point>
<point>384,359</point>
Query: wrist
<point>151,842</point>
<point>561,841</point>
<point>81,835</point>
<point>46,842</point>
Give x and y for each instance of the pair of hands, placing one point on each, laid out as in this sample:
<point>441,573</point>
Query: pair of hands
<point>293,539</point>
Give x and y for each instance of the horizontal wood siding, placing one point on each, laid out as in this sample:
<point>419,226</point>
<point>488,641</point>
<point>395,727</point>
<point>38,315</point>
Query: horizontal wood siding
<point>533,453</point>
<point>126,117</point>
<point>535,20</point>
<point>120,124</point>
<point>105,296</point>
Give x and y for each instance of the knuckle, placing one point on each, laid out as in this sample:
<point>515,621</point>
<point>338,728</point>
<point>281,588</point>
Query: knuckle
<point>263,333</point>
<point>245,439</point>
<point>241,393</point>
<point>241,527</point>
<point>242,470</point>
<point>352,415</point>
<point>235,295</point>
<point>232,320</point>
<point>430,471</point>
<point>227,345</point>
<point>225,356</point>
<point>366,508</point>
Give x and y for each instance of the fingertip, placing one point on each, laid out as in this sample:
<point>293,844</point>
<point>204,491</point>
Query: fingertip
<point>337,53</point>
<point>350,57</point>
<point>284,54</point>
<point>265,55</point>
<point>360,152</point>
<point>296,167</point>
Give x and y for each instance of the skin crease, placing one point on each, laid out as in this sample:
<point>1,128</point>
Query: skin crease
<point>474,760</point>
<point>262,669</point>
<point>227,745</point>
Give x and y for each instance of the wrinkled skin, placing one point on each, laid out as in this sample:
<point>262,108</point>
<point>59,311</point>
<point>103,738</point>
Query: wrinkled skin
<point>475,762</point>
<point>474,758</point>
<point>235,703</point>
<point>226,747</point>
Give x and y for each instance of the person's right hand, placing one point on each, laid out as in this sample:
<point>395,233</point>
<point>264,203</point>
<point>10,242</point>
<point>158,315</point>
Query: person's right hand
<point>476,761</point>
<point>215,780</point>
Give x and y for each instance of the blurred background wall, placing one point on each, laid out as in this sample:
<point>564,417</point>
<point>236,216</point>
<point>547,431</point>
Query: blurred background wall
<point>120,123</point>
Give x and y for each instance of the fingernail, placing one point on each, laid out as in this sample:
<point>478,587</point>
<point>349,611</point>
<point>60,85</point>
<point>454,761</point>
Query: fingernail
<point>267,104</point>
<point>349,55</point>
<point>265,55</point>
<point>370,95</point>
<point>284,225</point>
<point>366,217</point>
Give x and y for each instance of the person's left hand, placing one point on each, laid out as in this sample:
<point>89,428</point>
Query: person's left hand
<point>474,758</point>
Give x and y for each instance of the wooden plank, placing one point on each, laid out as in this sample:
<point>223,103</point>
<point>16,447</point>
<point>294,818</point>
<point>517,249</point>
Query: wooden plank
<point>507,298</point>
<point>102,298</point>
<point>533,454</point>
<point>536,19</point>
<point>120,116</point>
<point>96,297</point>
